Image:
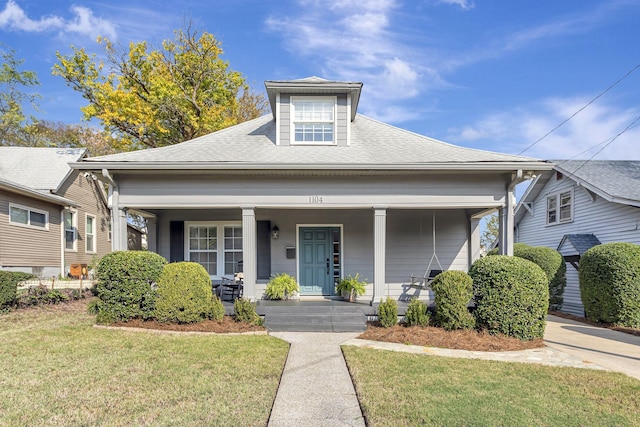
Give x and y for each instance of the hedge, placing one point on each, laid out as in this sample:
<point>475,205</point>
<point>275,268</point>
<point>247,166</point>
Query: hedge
<point>454,291</point>
<point>184,293</point>
<point>610,283</point>
<point>511,296</point>
<point>125,285</point>
<point>552,263</point>
<point>9,287</point>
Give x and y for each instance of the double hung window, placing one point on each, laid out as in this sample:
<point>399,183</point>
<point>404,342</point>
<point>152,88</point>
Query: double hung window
<point>560,207</point>
<point>70,219</point>
<point>216,246</point>
<point>313,120</point>
<point>90,233</point>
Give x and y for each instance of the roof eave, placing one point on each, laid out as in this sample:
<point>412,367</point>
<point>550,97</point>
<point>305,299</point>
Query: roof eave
<point>25,191</point>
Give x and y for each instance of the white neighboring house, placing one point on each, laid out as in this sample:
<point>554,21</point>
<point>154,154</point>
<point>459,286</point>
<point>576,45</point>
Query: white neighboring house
<point>576,206</point>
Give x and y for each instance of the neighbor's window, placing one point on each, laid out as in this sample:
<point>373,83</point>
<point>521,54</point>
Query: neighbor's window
<point>90,233</point>
<point>313,120</point>
<point>70,230</point>
<point>560,207</point>
<point>217,246</point>
<point>22,215</point>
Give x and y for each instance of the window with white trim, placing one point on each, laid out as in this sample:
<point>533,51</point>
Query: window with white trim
<point>217,246</point>
<point>70,225</point>
<point>90,233</point>
<point>560,207</point>
<point>29,217</point>
<point>313,120</point>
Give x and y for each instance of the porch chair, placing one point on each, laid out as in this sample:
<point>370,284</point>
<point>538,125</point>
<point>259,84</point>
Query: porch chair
<point>233,288</point>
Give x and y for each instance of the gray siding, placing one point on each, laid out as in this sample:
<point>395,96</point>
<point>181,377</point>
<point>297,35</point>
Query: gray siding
<point>285,120</point>
<point>609,222</point>
<point>29,247</point>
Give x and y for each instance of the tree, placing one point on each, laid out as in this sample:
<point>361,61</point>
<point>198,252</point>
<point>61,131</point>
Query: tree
<point>57,134</point>
<point>161,97</point>
<point>14,84</point>
<point>490,232</point>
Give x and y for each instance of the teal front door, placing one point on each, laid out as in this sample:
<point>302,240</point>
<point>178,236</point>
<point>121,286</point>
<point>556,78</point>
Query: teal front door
<point>319,260</point>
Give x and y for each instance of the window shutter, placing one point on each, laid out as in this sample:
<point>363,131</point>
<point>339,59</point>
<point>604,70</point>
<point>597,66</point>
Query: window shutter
<point>176,241</point>
<point>263,235</point>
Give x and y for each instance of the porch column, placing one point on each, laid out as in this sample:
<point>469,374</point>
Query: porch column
<point>119,230</point>
<point>507,224</point>
<point>249,251</point>
<point>379,252</point>
<point>474,239</point>
<point>152,236</point>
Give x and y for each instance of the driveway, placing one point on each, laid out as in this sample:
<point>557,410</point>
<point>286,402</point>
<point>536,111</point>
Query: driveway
<point>613,350</point>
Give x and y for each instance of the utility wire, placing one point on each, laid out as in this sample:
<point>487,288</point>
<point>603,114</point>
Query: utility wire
<point>577,112</point>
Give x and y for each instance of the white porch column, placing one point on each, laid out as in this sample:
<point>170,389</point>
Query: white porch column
<point>249,251</point>
<point>120,237</point>
<point>474,239</point>
<point>507,223</point>
<point>379,252</point>
<point>152,236</point>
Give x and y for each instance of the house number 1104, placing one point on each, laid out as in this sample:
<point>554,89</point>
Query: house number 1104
<point>315,200</point>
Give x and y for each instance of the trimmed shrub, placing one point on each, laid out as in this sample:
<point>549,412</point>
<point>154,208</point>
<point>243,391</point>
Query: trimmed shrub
<point>610,283</point>
<point>183,294</point>
<point>553,265</point>
<point>217,308</point>
<point>245,311</point>
<point>281,286</point>
<point>516,248</point>
<point>125,285</point>
<point>9,287</point>
<point>388,313</point>
<point>454,290</point>
<point>511,296</point>
<point>417,314</point>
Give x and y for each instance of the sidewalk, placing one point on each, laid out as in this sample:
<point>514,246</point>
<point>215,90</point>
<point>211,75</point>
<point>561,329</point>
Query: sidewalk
<point>316,388</point>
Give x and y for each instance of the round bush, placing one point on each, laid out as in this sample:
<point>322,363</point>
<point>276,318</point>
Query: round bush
<point>610,283</point>
<point>184,293</point>
<point>553,265</point>
<point>511,296</point>
<point>124,288</point>
<point>281,286</point>
<point>454,290</point>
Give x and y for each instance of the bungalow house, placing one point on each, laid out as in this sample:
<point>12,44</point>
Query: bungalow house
<point>317,191</point>
<point>577,205</point>
<point>51,216</point>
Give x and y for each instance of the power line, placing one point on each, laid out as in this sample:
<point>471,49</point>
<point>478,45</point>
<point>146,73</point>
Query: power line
<point>580,110</point>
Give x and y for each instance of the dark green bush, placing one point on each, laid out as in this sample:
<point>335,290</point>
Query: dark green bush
<point>553,265</point>
<point>417,314</point>
<point>183,294</point>
<point>39,295</point>
<point>610,283</point>
<point>388,313</point>
<point>511,296</point>
<point>217,308</point>
<point>245,311</point>
<point>124,287</point>
<point>9,287</point>
<point>454,291</point>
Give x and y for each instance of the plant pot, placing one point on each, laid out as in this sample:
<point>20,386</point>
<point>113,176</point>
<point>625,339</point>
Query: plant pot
<point>349,296</point>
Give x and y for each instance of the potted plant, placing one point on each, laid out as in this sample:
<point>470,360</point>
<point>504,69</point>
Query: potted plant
<point>351,287</point>
<point>281,286</point>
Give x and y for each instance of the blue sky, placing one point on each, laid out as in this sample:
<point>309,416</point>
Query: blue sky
<point>484,74</point>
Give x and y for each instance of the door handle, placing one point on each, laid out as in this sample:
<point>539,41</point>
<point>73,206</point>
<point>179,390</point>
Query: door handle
<point>327,265</point>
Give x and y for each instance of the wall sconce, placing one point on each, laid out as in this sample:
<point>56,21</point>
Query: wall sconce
<point>275,232</point>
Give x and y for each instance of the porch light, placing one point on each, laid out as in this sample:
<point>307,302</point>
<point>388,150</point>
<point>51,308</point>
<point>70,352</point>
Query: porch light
<point>275,232</point>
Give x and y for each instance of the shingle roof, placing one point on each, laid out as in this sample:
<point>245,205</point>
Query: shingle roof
<point>372,143</point>
<point>580,242</point>
<point>614,178</point>
<point>41,169</point>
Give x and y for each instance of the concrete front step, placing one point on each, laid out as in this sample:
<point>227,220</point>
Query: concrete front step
<point>315,318</point>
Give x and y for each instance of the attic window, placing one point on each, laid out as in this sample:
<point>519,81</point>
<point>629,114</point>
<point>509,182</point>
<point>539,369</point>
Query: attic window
<point>313,120</point>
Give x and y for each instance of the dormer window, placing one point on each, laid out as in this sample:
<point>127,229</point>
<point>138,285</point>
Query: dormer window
<point>313,120</point>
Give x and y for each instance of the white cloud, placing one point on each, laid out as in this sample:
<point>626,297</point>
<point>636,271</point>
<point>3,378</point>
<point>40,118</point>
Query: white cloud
<point>581,137</point>
<point>83,22</point>
<point>463,4</point>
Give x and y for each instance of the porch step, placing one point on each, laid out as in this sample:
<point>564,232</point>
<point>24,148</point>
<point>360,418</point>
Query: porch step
<point>314,318</point>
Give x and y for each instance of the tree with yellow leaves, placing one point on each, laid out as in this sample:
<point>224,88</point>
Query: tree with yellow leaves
<point>154,98</point>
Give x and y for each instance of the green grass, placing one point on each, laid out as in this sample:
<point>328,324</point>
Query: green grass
<point>400,389</point>
<point>56,369</point>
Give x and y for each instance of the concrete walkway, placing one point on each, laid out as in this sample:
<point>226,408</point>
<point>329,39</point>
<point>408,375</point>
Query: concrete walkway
<point>613,350</point>
<point>315,388</point>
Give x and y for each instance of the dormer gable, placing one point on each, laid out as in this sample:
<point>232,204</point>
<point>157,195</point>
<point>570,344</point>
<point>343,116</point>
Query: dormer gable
<point>313,111</point>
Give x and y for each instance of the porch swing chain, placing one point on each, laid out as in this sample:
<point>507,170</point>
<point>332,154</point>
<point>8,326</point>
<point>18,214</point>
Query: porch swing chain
<point>435,255</point>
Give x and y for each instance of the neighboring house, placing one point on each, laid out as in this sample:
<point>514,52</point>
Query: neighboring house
<point>577,205</point>
<point>317,191</point>
<point>51,217</point>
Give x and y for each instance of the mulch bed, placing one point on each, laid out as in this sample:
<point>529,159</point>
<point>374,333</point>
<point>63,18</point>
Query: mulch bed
<point>438,337</point>
<point>626,330</point>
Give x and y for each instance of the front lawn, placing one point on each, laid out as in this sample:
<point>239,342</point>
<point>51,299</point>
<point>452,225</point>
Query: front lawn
<point>59,370</point>
<point>400,389</point>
